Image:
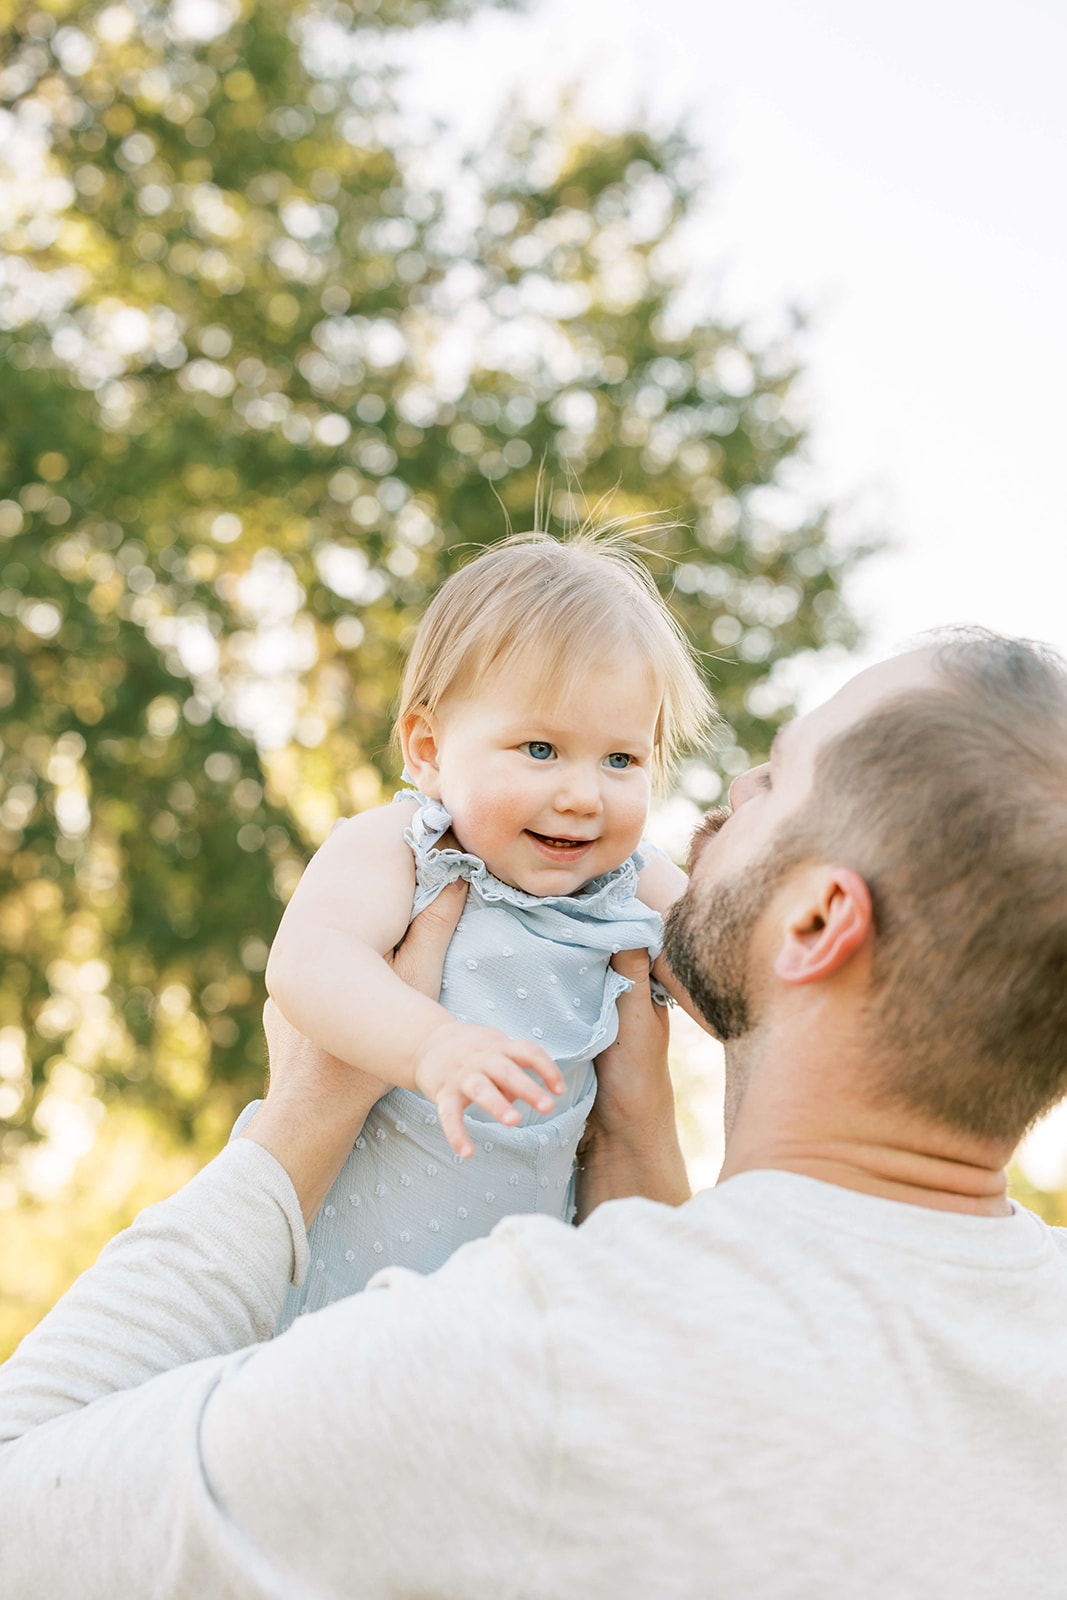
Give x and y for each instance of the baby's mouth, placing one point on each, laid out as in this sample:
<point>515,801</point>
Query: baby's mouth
<point>562,845</point>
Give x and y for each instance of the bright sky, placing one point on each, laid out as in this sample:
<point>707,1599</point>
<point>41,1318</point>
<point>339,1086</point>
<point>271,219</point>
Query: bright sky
<point>900,171</point>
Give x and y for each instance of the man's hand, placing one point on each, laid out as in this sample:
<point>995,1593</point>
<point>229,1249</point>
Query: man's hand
<point>630,1145</point>
<point>420,957</point>
<point>316,1105</point>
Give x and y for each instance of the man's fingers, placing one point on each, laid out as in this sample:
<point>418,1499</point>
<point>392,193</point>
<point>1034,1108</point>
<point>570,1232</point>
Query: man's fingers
<point>632,964</point>
<point>420,958</point>
<point>443,912</point>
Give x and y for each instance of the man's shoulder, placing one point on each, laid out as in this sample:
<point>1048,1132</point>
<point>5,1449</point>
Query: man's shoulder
<point>535,1266</point>
<point>731,1256</point>
<point>1057,1232</point>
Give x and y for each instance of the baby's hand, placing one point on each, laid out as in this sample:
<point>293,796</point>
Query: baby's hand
<point>461,1064</point>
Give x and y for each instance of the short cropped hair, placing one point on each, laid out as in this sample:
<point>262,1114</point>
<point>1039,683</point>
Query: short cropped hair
<point>952,804</point>
<point>556,608</point>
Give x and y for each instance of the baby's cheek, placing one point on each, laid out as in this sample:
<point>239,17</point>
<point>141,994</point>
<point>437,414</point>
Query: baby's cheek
<point>484,822</point>
<point>635,813</point>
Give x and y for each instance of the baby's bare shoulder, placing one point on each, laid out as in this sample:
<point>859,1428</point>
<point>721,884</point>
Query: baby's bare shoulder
<point>382,824</point>
<point>364,863</point>
<point>660,883</point>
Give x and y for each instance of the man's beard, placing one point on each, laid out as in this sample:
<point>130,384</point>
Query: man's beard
<point>708,938</point>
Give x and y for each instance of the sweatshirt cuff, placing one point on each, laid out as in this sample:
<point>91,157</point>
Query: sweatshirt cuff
<point>262,1171</point>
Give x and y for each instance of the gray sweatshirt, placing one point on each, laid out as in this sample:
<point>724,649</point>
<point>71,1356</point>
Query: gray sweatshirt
<point>779,1390</point>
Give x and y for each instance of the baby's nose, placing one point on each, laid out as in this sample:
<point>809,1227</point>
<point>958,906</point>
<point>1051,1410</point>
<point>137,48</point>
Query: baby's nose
<point>581,792</point>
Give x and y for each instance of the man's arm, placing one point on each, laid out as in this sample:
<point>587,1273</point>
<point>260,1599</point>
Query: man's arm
<point>165,1459</point>
<point>630,1145</point>
<point>317,1104</point>
<point>157,1298</point>
<point>197,1275</point>
<point>171,1289</point>
<point>198,1466</point>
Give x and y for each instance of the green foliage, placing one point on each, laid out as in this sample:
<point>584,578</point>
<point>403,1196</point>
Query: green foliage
<point>262,389</point>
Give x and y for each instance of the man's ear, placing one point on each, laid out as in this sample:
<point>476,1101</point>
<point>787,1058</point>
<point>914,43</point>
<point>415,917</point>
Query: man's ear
<point>419,742</point>
<point>826,926</point>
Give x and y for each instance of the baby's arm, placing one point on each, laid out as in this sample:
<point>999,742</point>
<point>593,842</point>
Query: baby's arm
<point>659,885</point>
<point>328,976</point>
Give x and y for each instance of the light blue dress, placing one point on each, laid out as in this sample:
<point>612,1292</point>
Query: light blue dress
<point>535,967</point>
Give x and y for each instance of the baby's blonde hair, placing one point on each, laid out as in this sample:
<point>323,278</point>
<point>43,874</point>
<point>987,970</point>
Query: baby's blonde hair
<point>570,604</point>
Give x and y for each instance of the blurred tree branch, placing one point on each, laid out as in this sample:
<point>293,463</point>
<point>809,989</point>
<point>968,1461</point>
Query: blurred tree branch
<point>262,390</point>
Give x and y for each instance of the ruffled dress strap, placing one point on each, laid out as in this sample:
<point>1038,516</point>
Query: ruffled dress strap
<point>435,869</point>
<point>430,823</point>
<point>605,900</point>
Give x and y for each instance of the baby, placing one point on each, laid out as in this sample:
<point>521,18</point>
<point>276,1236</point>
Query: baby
<point>548,689</point>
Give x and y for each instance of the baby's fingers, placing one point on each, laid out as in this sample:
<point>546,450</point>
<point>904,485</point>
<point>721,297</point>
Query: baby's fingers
<point>518,1085</point>
<point>482,1091</point>
<point>534,1059</point>
<point>450,1113</point>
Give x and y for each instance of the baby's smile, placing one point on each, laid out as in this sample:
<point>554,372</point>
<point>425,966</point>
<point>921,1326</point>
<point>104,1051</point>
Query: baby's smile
<point>550,792</point>
<point>557,850</point>
<point>568,848</point>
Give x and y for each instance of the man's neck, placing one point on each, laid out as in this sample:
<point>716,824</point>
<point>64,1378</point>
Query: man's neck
<point>830,1132</point>
<point>915,1179</point>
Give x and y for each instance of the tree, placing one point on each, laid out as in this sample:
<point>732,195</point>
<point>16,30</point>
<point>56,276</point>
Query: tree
<point>262,390</point>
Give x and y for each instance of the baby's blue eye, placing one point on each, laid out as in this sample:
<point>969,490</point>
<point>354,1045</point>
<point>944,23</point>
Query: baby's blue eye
<point>538,749</point>
<point>619,761</point>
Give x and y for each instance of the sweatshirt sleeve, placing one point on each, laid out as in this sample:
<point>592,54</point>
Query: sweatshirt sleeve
<point>397,1442</point>
<point>200,1274</point>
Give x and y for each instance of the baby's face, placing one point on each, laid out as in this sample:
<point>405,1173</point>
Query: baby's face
<point>550,791</point>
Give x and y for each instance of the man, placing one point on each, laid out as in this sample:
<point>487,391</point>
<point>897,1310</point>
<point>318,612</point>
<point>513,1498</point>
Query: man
<point>842,1372</point>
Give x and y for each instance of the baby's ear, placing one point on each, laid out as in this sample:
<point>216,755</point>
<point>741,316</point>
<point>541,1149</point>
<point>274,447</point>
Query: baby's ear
<point>419,742</point>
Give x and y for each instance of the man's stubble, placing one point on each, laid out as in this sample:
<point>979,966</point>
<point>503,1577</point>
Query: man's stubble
<point>708,939</point>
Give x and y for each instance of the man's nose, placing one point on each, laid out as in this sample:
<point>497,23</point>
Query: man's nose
<point>745,786</point>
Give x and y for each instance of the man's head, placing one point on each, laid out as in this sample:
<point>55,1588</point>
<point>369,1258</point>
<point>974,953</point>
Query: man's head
<point>925,808</point>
